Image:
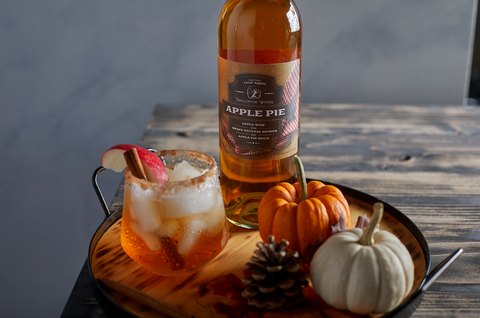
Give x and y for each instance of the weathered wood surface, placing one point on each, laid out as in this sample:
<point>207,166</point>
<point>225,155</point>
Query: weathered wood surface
<point>423,160</point>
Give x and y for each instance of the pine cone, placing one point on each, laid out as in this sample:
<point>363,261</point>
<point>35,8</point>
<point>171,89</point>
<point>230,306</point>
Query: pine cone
<point>276,280</point>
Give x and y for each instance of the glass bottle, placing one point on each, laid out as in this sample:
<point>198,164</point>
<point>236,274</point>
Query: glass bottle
<point>259,65</point>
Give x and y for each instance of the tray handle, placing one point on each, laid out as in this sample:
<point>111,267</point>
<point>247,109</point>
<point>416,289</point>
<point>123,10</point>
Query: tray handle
<point>98,191</point>
<point>97,187</point>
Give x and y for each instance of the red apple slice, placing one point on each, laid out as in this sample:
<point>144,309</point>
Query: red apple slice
<point>154,169</point>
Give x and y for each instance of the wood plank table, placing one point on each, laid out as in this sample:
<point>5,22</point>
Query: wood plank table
<point>423,160</point>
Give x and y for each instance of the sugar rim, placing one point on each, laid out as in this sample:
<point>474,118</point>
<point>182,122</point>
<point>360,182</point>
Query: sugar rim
<point>200,181</point>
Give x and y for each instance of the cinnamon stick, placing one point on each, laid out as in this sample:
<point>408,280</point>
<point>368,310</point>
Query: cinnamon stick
<point>177,262</point>
<point>143,298</point>
<point>134,163</point>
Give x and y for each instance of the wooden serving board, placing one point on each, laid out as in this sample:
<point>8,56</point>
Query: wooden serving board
<point>189,293</point>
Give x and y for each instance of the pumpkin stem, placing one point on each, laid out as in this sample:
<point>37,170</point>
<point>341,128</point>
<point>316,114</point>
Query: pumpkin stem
<point>367,236</point>
<point>301,178</point>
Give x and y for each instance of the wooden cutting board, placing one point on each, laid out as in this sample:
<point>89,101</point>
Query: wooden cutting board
<point>189,293</point>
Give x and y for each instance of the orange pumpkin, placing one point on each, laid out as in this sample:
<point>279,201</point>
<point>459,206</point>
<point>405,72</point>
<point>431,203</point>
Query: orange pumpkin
<point>301,213</point>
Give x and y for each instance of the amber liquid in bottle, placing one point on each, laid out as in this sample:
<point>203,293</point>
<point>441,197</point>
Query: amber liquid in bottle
<point>256,32</point>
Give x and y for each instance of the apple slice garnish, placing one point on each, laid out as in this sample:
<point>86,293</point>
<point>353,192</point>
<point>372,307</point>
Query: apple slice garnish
<point>155,171</point>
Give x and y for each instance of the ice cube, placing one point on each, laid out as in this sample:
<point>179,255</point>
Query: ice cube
<point>168,228</point>
<point>190,236</point>
<point>184,171</point>
<point>188,202</point>
<point>169,172</point>
<point>150,238</point>
<point>215,218</point>
<point>146,211</point>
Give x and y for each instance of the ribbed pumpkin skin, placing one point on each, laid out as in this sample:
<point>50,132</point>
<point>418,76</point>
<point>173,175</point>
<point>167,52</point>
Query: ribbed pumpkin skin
<point>303,223</point>
<point>359,278</point>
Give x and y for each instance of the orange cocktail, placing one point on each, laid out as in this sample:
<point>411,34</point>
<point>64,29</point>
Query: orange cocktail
<point>175,227</point>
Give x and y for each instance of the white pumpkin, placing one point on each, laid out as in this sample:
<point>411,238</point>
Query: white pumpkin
<point>363,271</point>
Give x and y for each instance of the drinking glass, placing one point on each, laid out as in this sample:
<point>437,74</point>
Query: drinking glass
<point>176,227</point>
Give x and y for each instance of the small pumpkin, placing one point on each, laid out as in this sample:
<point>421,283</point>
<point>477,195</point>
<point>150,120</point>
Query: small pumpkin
<point>363,271</point>
<point>301,213</point>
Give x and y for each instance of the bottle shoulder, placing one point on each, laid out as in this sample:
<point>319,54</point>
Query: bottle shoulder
<point>259,24</point>
<point>262,12</point>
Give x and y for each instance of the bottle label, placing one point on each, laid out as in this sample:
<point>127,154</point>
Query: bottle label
<point>259,109</point>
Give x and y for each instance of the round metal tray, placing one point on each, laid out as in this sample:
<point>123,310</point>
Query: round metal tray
<point>393,221</point>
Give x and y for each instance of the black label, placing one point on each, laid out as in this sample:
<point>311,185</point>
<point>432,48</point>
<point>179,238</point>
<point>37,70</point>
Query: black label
<point>259,105</point>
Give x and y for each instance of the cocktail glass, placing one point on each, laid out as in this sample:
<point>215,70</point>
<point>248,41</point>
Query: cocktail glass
<point>176,227</point>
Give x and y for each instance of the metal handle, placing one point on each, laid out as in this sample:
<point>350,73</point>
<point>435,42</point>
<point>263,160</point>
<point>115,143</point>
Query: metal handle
<point>440,268</point>
<point>97,188</point>
<point>99,192</point>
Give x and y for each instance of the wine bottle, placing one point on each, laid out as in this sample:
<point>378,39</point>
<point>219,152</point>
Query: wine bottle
<point>259,67</point>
